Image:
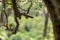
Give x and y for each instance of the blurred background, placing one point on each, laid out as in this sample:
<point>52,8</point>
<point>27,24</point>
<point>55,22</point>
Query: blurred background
<point>37,28</point>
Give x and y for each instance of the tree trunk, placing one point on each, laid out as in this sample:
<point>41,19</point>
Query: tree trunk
<point>45,25</point>
<point>53,7</point>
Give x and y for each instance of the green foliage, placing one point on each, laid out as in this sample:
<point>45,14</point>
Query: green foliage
<point>29,29</point>
<point>16,37</point>
<point>32,29</point>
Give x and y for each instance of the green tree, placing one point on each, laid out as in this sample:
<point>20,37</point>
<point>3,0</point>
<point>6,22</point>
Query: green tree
<point>53,7</point>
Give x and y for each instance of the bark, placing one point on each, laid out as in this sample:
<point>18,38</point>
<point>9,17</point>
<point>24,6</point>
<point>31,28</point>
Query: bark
<point>53,7</point>
<point>16,14</point>
<point>1,16</point>
<point>29,6</point>
<point>46,24</point>
<point>4,12</point>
